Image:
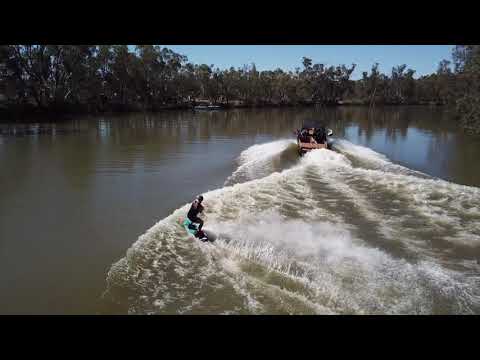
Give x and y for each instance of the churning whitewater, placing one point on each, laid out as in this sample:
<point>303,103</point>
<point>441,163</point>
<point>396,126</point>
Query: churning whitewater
<point>333,232</point>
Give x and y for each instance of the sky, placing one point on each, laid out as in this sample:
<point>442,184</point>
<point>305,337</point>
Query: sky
<point>422,58</point>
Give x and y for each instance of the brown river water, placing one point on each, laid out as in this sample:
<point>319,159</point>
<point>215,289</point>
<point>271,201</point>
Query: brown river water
<point>387,223</point>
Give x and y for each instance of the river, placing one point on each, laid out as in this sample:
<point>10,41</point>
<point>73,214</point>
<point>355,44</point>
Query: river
<point>387,223</point>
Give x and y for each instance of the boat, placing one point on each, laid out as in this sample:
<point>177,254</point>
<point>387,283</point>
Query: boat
<point>315,130</point>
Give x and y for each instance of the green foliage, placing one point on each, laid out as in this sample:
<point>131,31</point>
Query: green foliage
<point>112,77</point>
<point>467,66</point>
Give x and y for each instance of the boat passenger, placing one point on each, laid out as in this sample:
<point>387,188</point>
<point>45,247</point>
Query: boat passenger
<point>320,135</point>
<point>311,133</point>
<point>303,137</point>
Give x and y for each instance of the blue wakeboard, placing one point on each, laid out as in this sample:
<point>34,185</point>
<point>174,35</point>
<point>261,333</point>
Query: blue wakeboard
<point>192,229</point>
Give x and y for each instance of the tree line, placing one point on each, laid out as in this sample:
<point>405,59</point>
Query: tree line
<point>100,78</point>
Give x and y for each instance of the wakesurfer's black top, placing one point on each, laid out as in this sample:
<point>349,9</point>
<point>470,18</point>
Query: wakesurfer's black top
<point>195,209</point>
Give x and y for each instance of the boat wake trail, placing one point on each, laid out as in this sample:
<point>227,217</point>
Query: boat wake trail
<point>263,159</point>
<point>343,232</point>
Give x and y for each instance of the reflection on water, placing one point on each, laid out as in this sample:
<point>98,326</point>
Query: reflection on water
<point>76,195</point>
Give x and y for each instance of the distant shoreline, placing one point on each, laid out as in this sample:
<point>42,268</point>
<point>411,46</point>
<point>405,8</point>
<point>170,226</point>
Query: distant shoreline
<point>29,115</point>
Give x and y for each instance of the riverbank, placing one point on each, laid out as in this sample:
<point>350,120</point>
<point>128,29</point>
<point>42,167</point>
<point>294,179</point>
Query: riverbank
<point>28,114</point>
